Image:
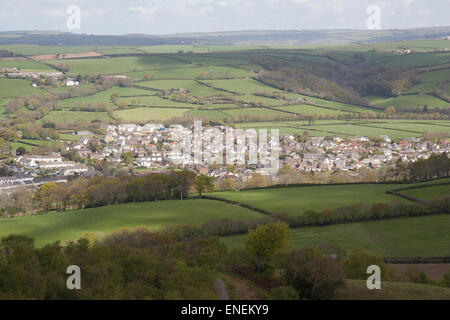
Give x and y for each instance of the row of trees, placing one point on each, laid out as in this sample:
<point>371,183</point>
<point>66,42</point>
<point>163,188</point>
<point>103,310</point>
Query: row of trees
<point>102,191</point>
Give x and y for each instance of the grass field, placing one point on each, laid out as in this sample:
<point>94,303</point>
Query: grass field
<point>310,110</point>
<point>297,200</point>
<point>397,129</point>
<point>116,65</point>
<point>403,237</point>
<point>190,73</point>
<point>409,101</point>
<point>194,88</point>
<point>429,193</point>
<point>26,65</point>
<point>357,290</point>
<point>140,115</point>
<point>153,215</point>
<point>208,114</point>
<point>17,88</point>
<point>243,86</point>
<point>154,101</point>
<point>72,116</point>
<point>102,96</point>
<point>255,112</point>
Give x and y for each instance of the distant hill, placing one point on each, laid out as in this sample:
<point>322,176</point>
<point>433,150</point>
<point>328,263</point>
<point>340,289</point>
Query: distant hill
<point>289,37</point>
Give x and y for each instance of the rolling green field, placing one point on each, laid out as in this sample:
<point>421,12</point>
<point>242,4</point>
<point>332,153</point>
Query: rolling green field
<point>140,115</point>
<point>102,96</point>
<point>297,200</point>
<point>190,73</point>
<point>392,291</point>
<point>305,109</point>
<point>409,101</point>
<point>11,88</point>
<point>194,88</point>
<point>70,225</point>
<point>404,237</point>
<point>72,116</point>
<point>117,65</point>
<point>242,86</point>
<point>26,65</point>
<point>154,101</point>
<point>429,193</point>
<point>396,129</point>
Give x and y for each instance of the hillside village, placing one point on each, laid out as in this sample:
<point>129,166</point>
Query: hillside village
<point>149,148</point>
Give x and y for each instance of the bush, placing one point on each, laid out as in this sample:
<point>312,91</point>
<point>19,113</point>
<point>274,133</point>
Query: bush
<point>313,275</point>
<point>359,260</point>
<point>283,293</point>
<point>266,242</point>
<point>416,275</point>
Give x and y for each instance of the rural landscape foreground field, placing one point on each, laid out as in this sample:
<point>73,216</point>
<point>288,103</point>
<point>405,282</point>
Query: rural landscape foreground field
<point>383,106</point>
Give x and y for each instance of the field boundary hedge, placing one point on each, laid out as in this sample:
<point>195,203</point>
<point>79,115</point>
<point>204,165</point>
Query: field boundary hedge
<point>398,193</point>
<point>414,260</point>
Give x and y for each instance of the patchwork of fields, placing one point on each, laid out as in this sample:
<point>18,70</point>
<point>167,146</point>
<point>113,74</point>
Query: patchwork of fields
<point>205,72</point>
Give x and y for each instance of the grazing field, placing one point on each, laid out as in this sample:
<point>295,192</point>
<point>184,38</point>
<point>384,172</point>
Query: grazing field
<point>116,65</point>
<point>297,200</point>
<point>242,86</point>
<point>357,290</point>
<point>102,96</point>
<point>141,115</point>
<point>208,114</point>
<point>70,225</point>
<point>255,112</point>
<point>26,65</point>
<point>73,116</point>
<point>193,87</point>
<point>153,101</point>
<point>11,88</point>
<point>415,60</point>
<point>397,129</point>
<point>409,101</point>
<point>404,237</point>
<point>305,109</point>
<point>429,193</point>
<point>190,72</point>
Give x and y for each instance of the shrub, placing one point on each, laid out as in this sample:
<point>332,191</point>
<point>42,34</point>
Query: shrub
<point>359,260</point>
<point>313,275</point>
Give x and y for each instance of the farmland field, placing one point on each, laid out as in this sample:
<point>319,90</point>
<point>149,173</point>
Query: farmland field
<point>153,215</point>
<point>72,116</point>
<point>116,65</point>
<point>26,65</point>
<point>102,96</point>
<point>190,73</point>
<point>17,88</point>
<point>429,193</point>
<point>242,86</point>
<point>140,115</point>
<point>409,101</point>
<point>297,200</point>
<point>392,291</point>
<point>153,101</point>
<point>404,237</point>
<point>194,88</point>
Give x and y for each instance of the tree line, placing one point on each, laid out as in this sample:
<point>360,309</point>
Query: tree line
<point>138,264</point>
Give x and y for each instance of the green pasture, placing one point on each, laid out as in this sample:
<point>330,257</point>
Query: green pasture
<point>403,237</point>
<point>47,228</point>
<point>140,115</point>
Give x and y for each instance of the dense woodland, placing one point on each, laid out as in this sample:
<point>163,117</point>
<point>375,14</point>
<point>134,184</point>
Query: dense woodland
<point>345,81</point>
